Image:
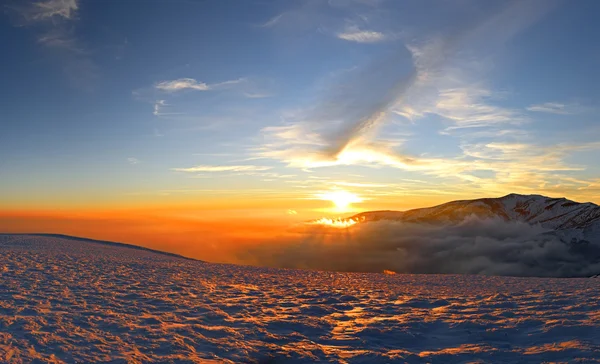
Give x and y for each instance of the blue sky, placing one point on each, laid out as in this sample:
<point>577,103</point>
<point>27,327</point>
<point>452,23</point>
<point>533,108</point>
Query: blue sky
<point>123,100</point>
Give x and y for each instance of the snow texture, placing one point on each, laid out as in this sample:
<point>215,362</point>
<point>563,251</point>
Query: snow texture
<point>68,300</point>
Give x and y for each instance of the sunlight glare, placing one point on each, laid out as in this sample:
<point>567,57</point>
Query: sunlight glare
<point>341,199</point>
<point>336,223</point>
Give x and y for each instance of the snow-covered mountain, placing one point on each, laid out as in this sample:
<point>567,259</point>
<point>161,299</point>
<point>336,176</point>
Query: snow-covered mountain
<point>565,218</point>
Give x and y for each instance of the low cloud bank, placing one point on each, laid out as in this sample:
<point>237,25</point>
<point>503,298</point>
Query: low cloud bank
<point>474,246</point>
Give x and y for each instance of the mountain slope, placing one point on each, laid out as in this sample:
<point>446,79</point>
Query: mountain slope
<point>567,218</point>
<point>26,236</point>
<point>76,301</point>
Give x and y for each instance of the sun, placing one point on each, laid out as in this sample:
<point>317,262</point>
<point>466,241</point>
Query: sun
<point>341,199</point>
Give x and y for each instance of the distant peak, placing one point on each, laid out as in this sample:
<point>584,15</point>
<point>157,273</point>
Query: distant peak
<point>517,195</point>
<point>552,213</point>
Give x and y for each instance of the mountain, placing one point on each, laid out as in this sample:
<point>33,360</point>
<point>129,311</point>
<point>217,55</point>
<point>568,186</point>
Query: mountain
<point>564,218</point>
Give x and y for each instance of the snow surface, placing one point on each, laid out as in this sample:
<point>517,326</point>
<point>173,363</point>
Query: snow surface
<point>65,300</point>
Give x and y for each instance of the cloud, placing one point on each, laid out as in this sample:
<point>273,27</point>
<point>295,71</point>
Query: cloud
<point>320,15</point>
<point>555,108</point>
<point>273,21</point>
<point>160,105</point>
<point>493,166</point>
<point>132,160</point>
<point>439,76</point>
<point>54,24</point>
<point>472,246</point>
<point>469,107</point>
<point>191,84</point>
<point>257,95</point>
<point>239,168</point>
<point>43,10</point>
<point>61,39</point>
<point>182,84</point>
<point>361,184</point>
<point>354,34</point>
<point>157,106</point>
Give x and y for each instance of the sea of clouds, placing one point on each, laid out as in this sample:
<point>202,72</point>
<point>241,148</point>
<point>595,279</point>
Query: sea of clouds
<point>473,246</point>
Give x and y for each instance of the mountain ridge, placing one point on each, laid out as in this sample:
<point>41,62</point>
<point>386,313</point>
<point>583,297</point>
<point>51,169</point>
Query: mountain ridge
<point>102,242</point>
<point>569,219</point>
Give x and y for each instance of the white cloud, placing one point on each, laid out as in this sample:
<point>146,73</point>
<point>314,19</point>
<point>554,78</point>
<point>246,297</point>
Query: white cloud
<point>157,106</point>
<point>470,106</point>
<point>61,39</point>
<point>52,8</point>
<point>191,84</point>
<point>273,21</point>
<point>317,140</point>
<point>555,108</point>
<point>327,16</point>
<point>257,95</point>
<point>496,155</point>
<point>53,22</point>
<point>354,34</point>
<point>132,160</point>
<point>182,84</point>
<point>228,83</point>
<point>208,168</point>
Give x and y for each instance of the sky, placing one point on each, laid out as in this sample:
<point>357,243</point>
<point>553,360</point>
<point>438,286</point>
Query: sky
<point>195,111</point>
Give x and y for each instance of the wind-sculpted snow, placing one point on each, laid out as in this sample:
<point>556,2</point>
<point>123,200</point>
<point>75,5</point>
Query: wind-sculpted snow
<point>72,301</point>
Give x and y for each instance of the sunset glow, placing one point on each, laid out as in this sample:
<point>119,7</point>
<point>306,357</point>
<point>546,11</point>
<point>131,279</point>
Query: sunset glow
<point>341,199</point>
<point>336,223</point>
<point>274,181</point>
<point>226,133</point>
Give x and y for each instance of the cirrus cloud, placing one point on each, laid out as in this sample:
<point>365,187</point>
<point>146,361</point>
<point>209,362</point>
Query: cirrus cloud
<point>43,10</point>
<point>192,84</point>
<point>556,108</point>
<point>233,168</point>
<point>354,34</point>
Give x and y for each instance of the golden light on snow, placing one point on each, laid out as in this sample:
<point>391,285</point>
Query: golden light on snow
<point>341,199</point>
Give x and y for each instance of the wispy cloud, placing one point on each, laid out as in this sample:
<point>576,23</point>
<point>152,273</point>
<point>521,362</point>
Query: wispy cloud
<point>446,81</point>
<point>192,84</point>
<point>273,21</point>
<point>235,168</point>
<point>61,39</point>
<point>132,160</point>
<point>471,106</point>
<point>433,78</point>
<point>51,8</point>
<point>354,34</point>
<point>160,106</point>
<point>54,23</point>
<point>182,84</point>
<point>343,19</point>
<point>157,106</point>
<point>556,108</point>
<point>257,95</point>
<point>361,184</point>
